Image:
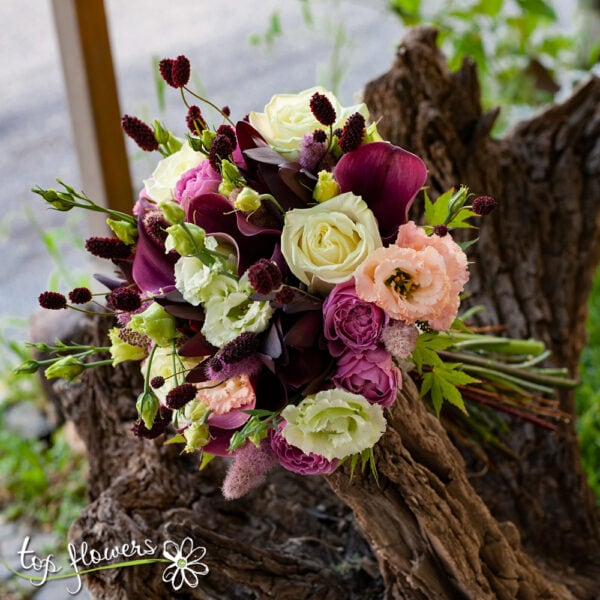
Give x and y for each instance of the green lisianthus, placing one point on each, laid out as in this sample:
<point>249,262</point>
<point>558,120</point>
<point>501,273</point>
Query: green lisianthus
<point>334,424</point>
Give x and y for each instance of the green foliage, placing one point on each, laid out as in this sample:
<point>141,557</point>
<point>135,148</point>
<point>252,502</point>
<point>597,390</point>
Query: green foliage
<point>255,429</point>
<point>42,482</point>
<point>588,394</point>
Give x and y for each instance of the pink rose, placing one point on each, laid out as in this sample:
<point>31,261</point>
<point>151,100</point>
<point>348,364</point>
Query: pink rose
<point>371,374</point>
<point>293,459</point>
<point>418,278</point>
<point>199,180</point>
<point>349,322</point>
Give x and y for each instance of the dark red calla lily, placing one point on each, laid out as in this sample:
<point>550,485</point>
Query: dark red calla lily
<point>387,178</point>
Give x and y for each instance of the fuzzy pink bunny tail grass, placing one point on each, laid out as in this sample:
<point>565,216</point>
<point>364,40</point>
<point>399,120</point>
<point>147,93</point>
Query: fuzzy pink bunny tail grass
<point>248,470</point>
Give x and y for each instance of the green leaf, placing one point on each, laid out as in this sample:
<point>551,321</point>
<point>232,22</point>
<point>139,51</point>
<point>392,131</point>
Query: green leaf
<point>424,352</point>
<point>459,220</point>
<point>178,438</point>
<point>537,7</point>
<point>437,212</point>
<point>206,458</point>
<point>441,385</point>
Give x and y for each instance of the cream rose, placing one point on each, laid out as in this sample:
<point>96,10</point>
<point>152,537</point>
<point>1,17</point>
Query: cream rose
<point>160,187</point>
<point>287,118</point>
<point>324,245</point>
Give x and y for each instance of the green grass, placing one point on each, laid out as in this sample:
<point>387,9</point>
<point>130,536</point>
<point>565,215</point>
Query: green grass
<point>588,394</point>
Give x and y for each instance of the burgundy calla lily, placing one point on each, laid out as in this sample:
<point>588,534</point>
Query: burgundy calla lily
<point>387,178</point>
<point>152,268</point>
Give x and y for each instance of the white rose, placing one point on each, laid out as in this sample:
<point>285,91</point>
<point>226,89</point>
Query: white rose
<point>168,171</point>
<point>287,118</point>
<point>324,245</point>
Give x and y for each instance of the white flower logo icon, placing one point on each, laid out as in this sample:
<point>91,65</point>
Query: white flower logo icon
<point>186,563</point>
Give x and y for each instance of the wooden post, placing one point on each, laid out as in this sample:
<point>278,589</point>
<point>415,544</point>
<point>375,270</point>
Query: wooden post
<point>93,101</point>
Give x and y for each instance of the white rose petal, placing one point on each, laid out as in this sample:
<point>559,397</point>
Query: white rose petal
<point>324,245</point>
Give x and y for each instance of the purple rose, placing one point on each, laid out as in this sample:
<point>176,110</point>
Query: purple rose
<point>370,374</point>
<point>351,323</point>
<point>202,179</point>
<point>293,459</point>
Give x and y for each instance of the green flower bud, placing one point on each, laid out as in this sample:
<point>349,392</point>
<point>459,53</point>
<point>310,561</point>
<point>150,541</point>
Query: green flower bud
<point>230,172</point>
<point>121,351</point>
<point>326,187</point>
<point>172,212</point>
<point>147,407</point>
<point>156,323</point>
<point>125,231</point>
<point>248,200</point>
<point>186,239</point>
<point>197,435</point>
<point>372,135</point>
<point>28,367</point>
<point>197,410</point>
<point>207,138</point>
<point>161,134</point>
<point>68,368</point>
<point>195,143</point>
<point>58,200</point>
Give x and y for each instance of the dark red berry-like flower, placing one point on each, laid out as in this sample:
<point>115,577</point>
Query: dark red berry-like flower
<point>285,295</point>
<point>165,66</point>
<point>141,133</point>
<point>221,148</point>
<point>194,120</point>
<point>228,131</point>
<point>322,109</point>
<point>111,248</point>
<point>264,276</point>
<point>179,396</point>
<point>52,300</point>
<point>352,133</point>
<point>441,230</point>
<point>484,205</point>
<point>180,71</point>
<point>319,136</point>
<point>156,226</point>
<point>157,382</point>
<point>161,422</point>
<point>243,346</point>
<point>80,295</point>
<point>226,111</point>
<point>124,298</point>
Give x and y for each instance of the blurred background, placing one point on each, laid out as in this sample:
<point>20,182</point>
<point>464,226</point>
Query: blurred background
<point>529,52</point>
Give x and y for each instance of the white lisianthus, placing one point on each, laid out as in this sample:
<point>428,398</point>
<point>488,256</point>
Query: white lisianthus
<point>334,424</point>
<point>228,317</point>
<point>198,283</point>
<point>287,118</point>
<point>168,171</point>
<point>324,245</point>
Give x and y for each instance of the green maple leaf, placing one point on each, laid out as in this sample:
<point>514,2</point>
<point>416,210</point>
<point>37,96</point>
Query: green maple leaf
<point>442,382</point>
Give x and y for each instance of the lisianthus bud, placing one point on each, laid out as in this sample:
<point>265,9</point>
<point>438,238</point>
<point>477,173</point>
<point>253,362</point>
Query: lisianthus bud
<point>58,200</point>
<point>186,239</point>
<point>68,368</point>
<point>232,177</point>
<point>125,231</point>
<point>156,323</point>
<point>326,188</point>
<point>197,435</point>
<point>147,406</point>
<point>28,367</point>
<point>172,212</point>
<point>248,200</point>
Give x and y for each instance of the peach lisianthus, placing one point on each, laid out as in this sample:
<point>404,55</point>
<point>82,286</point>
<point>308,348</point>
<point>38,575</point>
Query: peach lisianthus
<point>418,278</point>
<point>230,394</point>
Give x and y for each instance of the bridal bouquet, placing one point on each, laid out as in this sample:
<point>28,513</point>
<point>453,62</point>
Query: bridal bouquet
<point>271,286</point>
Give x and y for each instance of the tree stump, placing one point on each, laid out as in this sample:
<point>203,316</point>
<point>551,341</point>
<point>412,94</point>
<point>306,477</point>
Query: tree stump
<point>433,531</point>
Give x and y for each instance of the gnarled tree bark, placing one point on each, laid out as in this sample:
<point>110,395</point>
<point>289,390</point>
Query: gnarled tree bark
<point>430,532</point>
